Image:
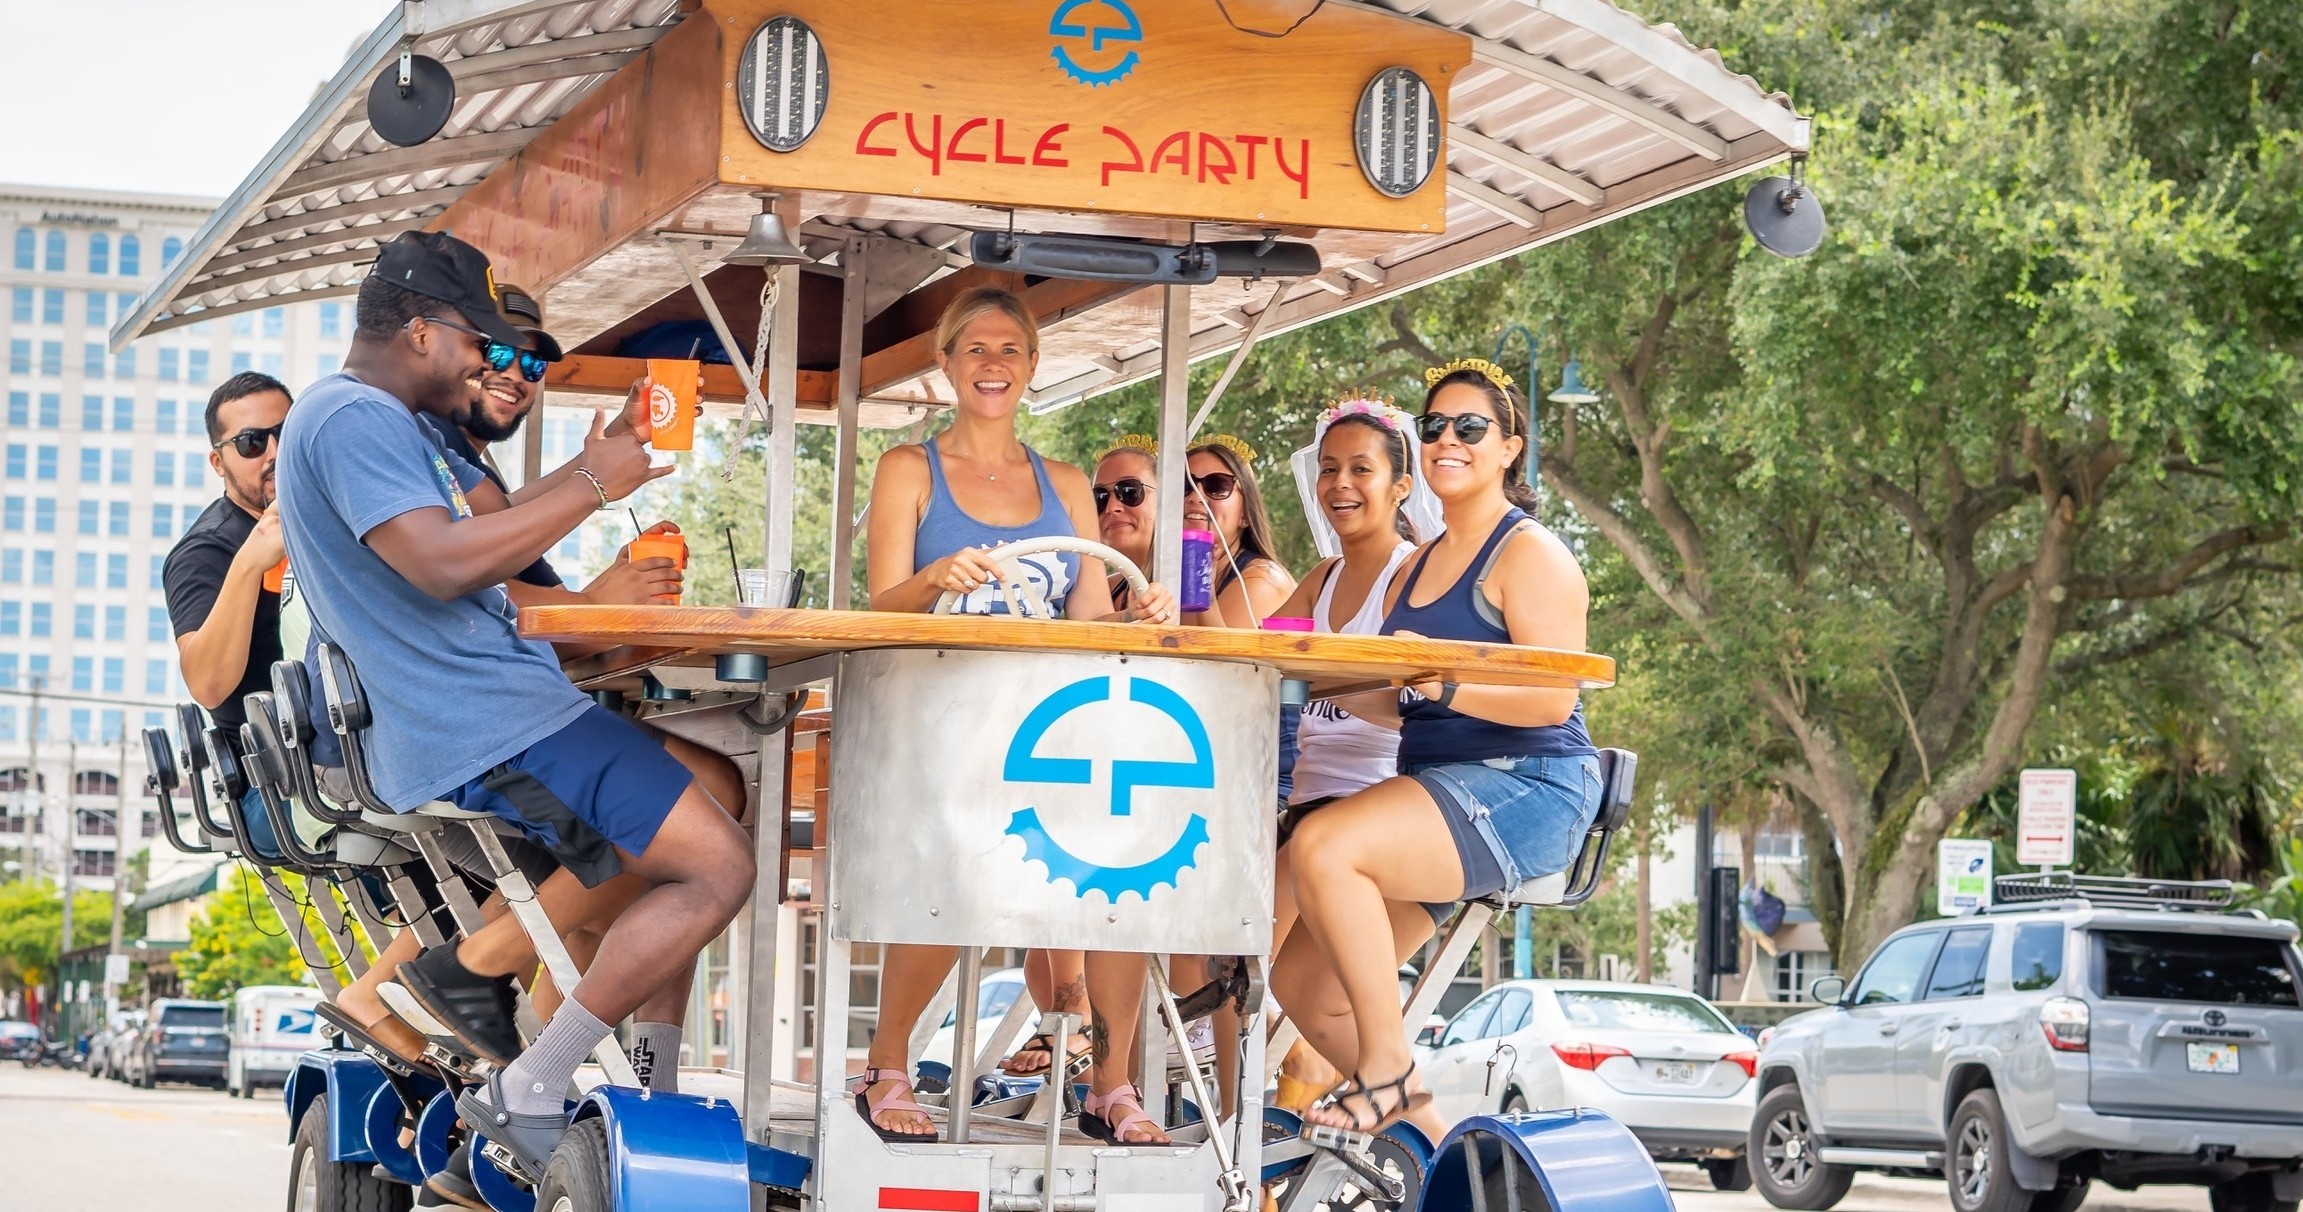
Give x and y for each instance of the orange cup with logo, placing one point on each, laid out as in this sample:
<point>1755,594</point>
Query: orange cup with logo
<point>673,547</point>
<point>276,576</point>
<point>675,387</point>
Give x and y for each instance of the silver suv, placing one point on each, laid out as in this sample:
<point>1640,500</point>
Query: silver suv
<point>2084,1028</point>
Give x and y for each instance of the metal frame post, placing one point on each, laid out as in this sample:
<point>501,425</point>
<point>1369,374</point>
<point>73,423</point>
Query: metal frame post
<point>1174,422</point>
<point>849,406</point>
<point>963,1088</point>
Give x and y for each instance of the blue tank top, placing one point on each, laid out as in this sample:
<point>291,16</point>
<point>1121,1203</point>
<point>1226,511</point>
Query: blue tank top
<point>946,528</point>
<point>1430,734</point>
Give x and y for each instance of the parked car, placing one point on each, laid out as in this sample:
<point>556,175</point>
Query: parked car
<point>120,1044</point>
<point>998,991</point>
<point>182,1041</point>
<point>2125,1032</point>
<point>1664,1062</point>
<point>271,1027</point>
<point>18,1040</point>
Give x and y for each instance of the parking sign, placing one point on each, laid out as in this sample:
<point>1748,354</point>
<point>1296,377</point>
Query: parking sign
<point>2046,817</point>
<point>1962,876</point>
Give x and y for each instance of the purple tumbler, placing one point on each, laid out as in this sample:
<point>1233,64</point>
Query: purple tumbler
<point>1198,589</point>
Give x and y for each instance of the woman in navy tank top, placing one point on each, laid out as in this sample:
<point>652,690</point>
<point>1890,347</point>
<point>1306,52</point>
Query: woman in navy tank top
<point>1497,784</point>
<point>936,510</point>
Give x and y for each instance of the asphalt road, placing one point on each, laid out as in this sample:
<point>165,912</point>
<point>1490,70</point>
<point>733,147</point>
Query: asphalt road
<point>68,1142</point>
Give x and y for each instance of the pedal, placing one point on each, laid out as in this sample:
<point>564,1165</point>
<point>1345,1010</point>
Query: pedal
<point>1356,1151</point>
<point>502,1158</point>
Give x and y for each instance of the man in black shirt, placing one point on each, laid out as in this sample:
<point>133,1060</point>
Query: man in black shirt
<point>227,622</point>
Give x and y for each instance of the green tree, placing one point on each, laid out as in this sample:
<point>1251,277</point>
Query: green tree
<point>239,940</point>
<point>32,929</point>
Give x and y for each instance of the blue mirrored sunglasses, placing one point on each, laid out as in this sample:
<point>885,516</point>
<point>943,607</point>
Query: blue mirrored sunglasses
<point>501,356</point>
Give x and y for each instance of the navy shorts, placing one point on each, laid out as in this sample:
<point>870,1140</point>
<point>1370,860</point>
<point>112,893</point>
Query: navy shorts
<point>1514,819</point>
<point>582,793</point>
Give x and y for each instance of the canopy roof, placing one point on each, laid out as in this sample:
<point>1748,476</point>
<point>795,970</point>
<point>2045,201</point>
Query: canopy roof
<point>1570,113</point>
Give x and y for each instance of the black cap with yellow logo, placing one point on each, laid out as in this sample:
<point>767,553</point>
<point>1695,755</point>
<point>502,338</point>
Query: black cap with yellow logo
<point>440,266</point>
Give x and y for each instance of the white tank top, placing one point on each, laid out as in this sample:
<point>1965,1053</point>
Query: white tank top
<point>1339,753</point>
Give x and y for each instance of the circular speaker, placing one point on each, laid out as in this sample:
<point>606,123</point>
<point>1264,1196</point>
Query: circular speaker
<point>408,116</point>
<point>782,83</point>
<point>1396,132</point>
<point>1784,216</point>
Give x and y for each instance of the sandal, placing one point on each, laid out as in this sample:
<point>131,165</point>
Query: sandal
<point>376,1039</point>
<point>1378,1117</point>
<point>1097,1120</point>
<point>899,1100</point>
<point>1043,1044</point>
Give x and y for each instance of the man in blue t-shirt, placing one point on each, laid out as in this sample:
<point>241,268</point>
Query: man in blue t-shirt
<point>408,580</point>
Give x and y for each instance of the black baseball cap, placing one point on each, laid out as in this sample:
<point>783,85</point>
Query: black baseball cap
<point>528,314</point>
<point>440,266</point>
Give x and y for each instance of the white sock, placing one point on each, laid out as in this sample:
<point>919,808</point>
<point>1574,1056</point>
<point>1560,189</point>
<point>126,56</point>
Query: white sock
<point>655,1054</point>
<point>535,1083</point>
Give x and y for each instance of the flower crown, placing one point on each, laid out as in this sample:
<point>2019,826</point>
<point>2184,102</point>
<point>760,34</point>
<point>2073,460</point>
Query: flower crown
<point>1490,370</point>
<point>1245,452</point>
<point>1381,411</point>
<point>1143,444</point>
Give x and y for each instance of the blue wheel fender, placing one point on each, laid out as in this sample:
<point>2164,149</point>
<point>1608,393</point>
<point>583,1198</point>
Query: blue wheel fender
<point>433,1128</point>
<point>671,1151</point>
<point>1578,1161</point>
<point>350,1081</point>
<point>501,1192</point>
<point>381,1129</point>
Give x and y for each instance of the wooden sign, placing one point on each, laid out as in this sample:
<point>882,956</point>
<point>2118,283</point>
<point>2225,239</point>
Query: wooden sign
<point>1157,107</point>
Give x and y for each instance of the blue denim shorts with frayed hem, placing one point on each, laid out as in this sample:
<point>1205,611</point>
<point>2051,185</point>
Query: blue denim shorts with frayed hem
<point>1513,819</point>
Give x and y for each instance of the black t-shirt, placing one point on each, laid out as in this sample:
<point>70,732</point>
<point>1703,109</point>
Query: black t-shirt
<point>194,575</point>
<point>540,573</point>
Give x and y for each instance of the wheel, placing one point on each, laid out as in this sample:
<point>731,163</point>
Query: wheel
<point>1975,1165</point>
<point>576,1180</point>
<point>2249,1194</point>
<point>1728,1173</point>
<point>2066,1197</point>
<point>316,1184</point>
<point>1514,1103</point>
<point>1787,1172</point>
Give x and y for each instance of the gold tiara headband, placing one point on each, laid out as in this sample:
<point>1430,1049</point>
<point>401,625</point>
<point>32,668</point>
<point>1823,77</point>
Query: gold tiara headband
<point>1493,373</point>
<point>1245,452</point>
<point>1142,444</point>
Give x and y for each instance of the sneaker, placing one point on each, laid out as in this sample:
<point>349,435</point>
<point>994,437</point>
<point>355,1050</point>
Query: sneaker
<point>479,1011</point>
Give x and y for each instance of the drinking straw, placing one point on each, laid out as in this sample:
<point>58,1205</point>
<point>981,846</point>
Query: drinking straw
<point>637,531</point>
<point>733,565</point>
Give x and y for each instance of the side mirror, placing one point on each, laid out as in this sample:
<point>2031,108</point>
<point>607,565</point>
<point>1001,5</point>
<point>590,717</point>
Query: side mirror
<point>1429,1036</point>
<point>1829,990</point>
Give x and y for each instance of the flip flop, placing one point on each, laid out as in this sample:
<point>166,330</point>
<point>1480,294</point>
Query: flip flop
<point>899,1100</point>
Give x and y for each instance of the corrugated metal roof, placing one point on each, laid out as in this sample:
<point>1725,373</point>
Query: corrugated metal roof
<point>1573,112</point>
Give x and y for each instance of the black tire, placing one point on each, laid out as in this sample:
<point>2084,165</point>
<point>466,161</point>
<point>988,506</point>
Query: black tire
<point>316,1184</point>
<point>2066,1197</point>
<point>1514,1103</point>
<point>576,1179</point>
<point>1975,1166</point>
<point>1782,1156</point>
<point>1728,1173</point>
<point>2249,1194</point>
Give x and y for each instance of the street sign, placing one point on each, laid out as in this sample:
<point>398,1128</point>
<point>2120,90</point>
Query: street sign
<point>1962,876</point>
<point>115,969</point>
<point>2046,817</point>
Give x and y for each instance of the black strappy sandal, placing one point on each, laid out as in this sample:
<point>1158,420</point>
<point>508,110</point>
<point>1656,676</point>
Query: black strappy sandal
<point>1408,1104</point>
<point>1045,1044</point>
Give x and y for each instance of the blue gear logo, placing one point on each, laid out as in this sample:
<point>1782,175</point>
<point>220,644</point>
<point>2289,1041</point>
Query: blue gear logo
<point>1120,25</point>
<point>1025,765</point>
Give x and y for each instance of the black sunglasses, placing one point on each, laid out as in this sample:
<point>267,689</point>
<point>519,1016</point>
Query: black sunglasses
<point>500,356</point>
<point>249,443</point>
<point>1130,491</point>
<point>1470,426</point>
<point>1217,485</point>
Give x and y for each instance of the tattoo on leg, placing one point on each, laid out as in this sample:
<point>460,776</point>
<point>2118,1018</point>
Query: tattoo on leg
<point>1069,996</point>
<point>1099,1038</point>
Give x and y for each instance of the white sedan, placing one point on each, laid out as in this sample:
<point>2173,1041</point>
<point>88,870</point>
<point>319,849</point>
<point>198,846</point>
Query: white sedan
<point>1665,1063</point>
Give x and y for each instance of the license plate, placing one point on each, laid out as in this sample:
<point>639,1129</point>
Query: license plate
<point>1674,1073</point>
<point>2212,1058</point>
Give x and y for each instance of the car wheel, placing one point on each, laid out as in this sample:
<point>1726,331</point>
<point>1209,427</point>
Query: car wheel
<point>2066,1197</point>
<point>1782,1155</point>
<point>2249,1194</point>
<point>1975,1164</point>
<point>1728,1173</point>
<point>1514,1103</point>
<point>576,1179</point>
<point>316,1184</point>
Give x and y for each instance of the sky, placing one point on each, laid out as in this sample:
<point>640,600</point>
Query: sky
<point>162,96</point>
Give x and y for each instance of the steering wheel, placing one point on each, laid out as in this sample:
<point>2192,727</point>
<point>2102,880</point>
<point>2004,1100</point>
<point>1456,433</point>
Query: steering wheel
<point>1024,601</point>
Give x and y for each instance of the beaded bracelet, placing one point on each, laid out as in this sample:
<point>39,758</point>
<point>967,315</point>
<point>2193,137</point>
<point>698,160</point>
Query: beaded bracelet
<point>596,486</point>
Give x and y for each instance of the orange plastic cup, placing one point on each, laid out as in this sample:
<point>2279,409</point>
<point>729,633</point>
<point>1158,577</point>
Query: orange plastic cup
<point>675,387</point>
<point>276,576</point>
<point>673,547</point>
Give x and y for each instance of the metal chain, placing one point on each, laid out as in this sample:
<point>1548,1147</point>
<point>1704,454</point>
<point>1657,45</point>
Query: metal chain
<point>752,407</point>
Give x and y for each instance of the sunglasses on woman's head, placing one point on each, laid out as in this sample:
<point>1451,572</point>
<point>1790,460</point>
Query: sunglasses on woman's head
<point>1217,485</point>
<point>249,443</point>
<point>1470,426</point>
<point>1130,491</point>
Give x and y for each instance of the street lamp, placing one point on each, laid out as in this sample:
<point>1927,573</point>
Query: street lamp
<point>1571,387</point>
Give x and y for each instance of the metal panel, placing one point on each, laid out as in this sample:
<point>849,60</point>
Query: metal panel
<point>1043,799</point>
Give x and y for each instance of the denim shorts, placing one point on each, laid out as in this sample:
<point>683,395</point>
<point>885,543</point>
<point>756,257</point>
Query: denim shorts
<point>597,785</point>
<point>1514,818</point>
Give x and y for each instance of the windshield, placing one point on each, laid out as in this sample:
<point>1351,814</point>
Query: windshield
<point>192,1016</point>
<point>19,1031</point>
<point>2166,966</point>
<point>1629,1011</point>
